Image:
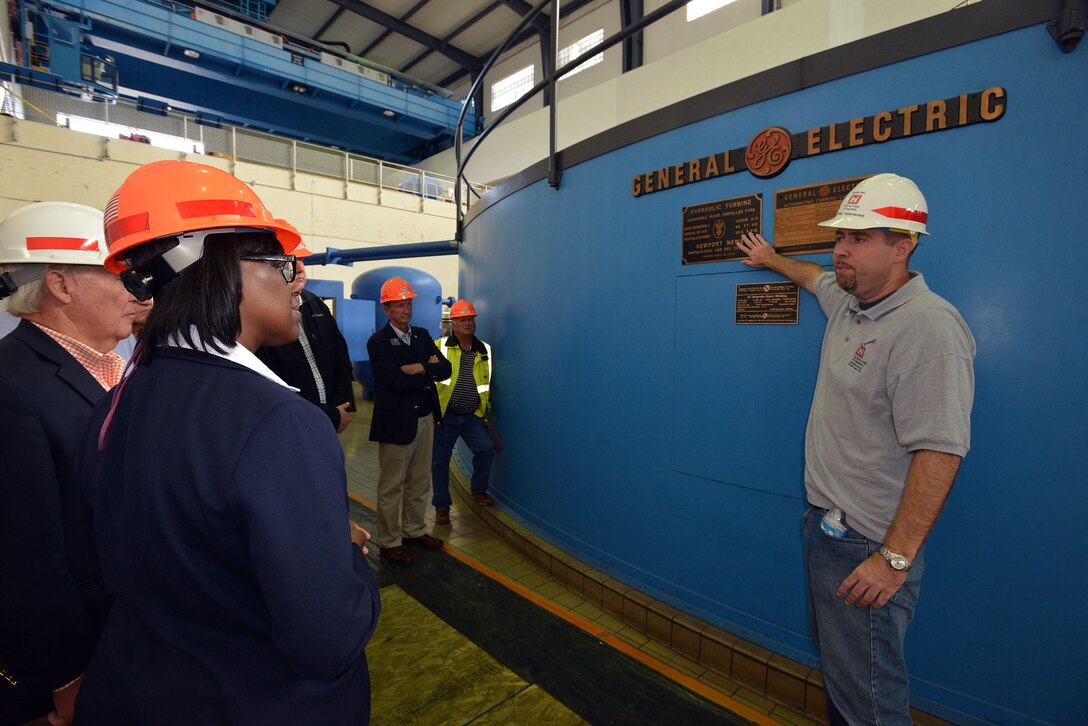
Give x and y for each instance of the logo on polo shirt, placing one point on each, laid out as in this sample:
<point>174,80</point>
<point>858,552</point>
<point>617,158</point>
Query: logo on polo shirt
<point>858,363</point>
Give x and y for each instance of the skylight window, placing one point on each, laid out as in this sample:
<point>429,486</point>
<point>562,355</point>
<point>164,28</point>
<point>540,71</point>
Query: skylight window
<point>698,8</point>
<point>514,86</point>
<point>572,51</point>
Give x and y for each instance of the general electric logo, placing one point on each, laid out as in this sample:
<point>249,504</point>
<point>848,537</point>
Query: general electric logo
<point>769,152</point>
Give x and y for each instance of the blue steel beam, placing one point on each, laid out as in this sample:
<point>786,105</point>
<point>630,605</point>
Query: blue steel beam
<point>163,61</point>
<point>385,252</point>
<point>302,117</point>
<point>247,67</point>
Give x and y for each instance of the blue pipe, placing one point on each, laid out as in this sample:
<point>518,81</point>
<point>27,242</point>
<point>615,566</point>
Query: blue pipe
<point>334,256</point>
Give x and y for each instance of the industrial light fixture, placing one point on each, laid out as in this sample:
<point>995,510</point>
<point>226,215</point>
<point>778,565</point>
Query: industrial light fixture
<point>299,88</point>
<point>190,53</point>
<point>389,113</point>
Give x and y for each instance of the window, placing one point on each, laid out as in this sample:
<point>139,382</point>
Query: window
<point>576,49</point>
<point>131,133</point>
<point>511,88</point>
<point>699,8</point>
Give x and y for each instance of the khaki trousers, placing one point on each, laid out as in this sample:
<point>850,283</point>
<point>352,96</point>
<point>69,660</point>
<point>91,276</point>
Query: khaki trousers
<point>404,486</point>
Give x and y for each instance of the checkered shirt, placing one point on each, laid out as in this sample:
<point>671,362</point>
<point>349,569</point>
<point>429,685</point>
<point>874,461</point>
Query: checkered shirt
<point>105,367</point>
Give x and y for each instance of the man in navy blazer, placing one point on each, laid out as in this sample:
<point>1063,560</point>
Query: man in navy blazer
<point>406,363</point>
<point>317,364</point>
<point>55,365</point>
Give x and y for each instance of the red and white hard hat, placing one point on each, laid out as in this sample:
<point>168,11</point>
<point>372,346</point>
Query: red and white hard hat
<point>462,309</point>
<point>172,198</point>
<point>53,233</point>
<point>883,201</point>
<point>396,288</point>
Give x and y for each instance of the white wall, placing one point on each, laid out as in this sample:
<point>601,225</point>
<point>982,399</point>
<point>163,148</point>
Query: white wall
<point>681,60</point>
<point>593,17</point>
<point>39,162</point>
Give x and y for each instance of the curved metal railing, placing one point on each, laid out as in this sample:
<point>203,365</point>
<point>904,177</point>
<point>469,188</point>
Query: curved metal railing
<point>554,172</point>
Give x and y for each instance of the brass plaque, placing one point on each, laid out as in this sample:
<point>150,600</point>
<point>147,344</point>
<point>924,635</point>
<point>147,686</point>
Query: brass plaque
<point>767,303</point>
<point>798,211</point>
<point>712,230</point>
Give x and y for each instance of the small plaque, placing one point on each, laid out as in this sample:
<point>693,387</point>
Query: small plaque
<point>798,211</point>
<point>712,230</point>
<point>767,303</point>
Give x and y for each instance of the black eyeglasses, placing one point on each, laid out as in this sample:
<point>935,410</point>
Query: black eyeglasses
<point>284,263</point>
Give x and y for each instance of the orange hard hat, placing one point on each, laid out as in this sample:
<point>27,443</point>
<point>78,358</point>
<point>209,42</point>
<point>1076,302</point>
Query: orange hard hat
<point>171,198</point>
<point>302,251</point>
<point>396,288</point>
<point>462,309</point>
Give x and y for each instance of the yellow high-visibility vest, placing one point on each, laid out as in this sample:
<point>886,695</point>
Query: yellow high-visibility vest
<point>481,372</point>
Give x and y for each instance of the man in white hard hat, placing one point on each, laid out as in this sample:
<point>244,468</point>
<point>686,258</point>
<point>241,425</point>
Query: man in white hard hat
<point>889,424</point>
<point>55,365</point>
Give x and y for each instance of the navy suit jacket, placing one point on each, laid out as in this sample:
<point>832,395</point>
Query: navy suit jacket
<point>330,353</point>
<point>397,395</point>
<point>221,526</point>
<point>49,601</point>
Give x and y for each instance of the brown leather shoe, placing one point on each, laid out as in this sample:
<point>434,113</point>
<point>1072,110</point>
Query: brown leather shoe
<point>442,516</point>
<point>426,540</point>
<point>397,555</point>
<point>483,499</point>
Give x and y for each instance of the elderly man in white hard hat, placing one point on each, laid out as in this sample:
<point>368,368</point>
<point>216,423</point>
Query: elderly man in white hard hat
<point>888,427</point>
<point>55,365</point>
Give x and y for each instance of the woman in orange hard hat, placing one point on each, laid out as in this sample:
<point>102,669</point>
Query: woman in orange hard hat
<point>241,593</point>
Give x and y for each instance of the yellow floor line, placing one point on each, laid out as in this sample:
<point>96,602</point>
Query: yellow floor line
<point>692,684</point>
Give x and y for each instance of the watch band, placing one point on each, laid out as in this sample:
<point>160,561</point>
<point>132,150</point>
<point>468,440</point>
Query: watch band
<point>891,557</point>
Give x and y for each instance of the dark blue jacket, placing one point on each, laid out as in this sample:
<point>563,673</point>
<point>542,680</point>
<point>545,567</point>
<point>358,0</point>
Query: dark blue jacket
<point>398,397</point>
<point>330,352</point>
<point>221,525</point>
<point>47,631</point>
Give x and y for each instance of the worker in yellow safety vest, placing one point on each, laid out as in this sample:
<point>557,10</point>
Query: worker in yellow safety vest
<point>466,400</point>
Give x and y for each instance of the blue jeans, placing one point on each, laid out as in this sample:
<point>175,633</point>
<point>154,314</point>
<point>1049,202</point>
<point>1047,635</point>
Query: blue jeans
<point>470,428</point>
<point>861,649</point>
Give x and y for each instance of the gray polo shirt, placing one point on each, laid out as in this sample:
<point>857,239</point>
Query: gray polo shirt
<point>893,379</point>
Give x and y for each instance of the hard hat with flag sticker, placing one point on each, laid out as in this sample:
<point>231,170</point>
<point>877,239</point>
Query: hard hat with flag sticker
<point>884,201</point>
<point>173,198</point>
<point>462,309</point>
<point>186,202</point>
<point>396,288</point>
<point>49,233</point>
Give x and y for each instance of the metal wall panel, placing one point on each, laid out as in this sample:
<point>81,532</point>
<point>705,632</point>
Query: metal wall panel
<point>647,433</point>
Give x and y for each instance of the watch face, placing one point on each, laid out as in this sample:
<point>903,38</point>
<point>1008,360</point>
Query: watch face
<point>898,563</point>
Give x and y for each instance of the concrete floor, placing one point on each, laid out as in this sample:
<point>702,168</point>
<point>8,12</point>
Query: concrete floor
<point>471,541</point>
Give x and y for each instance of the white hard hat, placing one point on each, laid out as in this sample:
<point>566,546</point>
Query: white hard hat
<point>883,201</point>
<point>53,233</point>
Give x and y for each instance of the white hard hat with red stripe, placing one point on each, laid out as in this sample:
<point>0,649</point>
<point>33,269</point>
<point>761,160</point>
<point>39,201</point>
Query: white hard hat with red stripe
<point>49,233</point>
<point>884,201</point>
<point>53,233</point>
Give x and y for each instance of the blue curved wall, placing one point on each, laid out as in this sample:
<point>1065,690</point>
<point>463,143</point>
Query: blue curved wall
<point>649,434</point>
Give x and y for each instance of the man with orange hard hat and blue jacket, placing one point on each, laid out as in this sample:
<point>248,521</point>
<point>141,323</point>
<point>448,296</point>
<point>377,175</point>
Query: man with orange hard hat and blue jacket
<point>406,363</point>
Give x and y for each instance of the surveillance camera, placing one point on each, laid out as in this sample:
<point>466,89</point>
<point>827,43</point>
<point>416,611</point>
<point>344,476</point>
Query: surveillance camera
<point>1068,28</point>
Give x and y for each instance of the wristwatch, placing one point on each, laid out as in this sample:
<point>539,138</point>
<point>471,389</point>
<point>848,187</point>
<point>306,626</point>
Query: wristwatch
<point>897,562</point>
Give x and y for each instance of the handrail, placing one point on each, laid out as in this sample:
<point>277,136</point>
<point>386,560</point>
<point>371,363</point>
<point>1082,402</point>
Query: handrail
<point>525,21</point>
<point>19,86</point>
<point>614,39</point>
